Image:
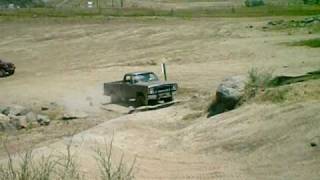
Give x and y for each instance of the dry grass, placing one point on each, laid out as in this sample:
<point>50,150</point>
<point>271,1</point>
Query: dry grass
<point>108,169</point>
<point>61,167</point>
<point>258,80</point>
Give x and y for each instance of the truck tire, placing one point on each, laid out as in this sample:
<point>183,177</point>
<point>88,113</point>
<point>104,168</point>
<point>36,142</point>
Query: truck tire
<point>169,99</point>
<point>11,72</point>
<point>2,73</point>
<point>140,100</point>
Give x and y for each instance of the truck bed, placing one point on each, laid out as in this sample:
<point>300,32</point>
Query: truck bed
<point>109,87</point>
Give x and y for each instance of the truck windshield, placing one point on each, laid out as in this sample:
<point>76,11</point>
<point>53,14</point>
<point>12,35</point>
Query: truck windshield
<point>147,77</point>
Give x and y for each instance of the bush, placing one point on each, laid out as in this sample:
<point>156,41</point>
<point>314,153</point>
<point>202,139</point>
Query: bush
<point>110,171</point>
<point>257,82</point>
<point>275,95</point>
<point>61,167</point>
<point>314,43</point>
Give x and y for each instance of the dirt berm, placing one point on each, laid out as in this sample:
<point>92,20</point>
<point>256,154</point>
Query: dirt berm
<point>252,142</point>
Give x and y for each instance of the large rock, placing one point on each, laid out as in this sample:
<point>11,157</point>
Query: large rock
<point>230,91</point>
<point>228,94</point>
<point>15,110</point>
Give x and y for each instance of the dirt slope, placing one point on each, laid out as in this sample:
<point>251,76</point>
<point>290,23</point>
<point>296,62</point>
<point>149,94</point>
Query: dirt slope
<point>252,142</point>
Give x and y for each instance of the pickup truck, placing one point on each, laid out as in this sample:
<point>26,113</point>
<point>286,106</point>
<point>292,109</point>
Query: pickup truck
<point>141,87</point>
<point>6,68</point>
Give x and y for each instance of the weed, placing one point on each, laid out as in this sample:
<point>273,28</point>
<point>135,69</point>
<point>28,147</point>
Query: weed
<point>108,170</point>
<point>275,95</point>
<point>314,43</point>
<point>62,167</point>
<point>257,81</point>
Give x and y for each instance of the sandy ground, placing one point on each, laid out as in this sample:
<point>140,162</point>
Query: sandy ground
<point>67,63</point>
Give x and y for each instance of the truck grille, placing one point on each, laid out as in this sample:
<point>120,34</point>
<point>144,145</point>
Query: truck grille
<point>163,89</point>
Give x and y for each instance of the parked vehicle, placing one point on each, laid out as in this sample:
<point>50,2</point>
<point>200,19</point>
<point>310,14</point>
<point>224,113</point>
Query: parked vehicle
<point>6,68</point>
<point>141,87</point>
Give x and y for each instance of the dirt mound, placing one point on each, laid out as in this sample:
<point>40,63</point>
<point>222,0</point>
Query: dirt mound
<point>252,142</point>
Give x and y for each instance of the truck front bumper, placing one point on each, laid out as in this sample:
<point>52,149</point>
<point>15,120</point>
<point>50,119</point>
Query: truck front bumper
<point>161,96</point>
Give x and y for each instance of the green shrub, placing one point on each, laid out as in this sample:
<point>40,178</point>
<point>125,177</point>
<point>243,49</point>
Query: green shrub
<point>314,43</point>
<point>257,81</point>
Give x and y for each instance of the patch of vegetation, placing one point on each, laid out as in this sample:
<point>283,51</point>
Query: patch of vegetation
<point>61,167</point>
<point>262,86</point>
<point>314,43</point>
<point>257,82</point>
<point>110,171</point>
<point>275,95</point>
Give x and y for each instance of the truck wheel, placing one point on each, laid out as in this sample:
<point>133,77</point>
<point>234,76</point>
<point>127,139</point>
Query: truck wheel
<point>2,73</point>
<point>11,72</point>
<point>169,99</point>
<point>140,100</point>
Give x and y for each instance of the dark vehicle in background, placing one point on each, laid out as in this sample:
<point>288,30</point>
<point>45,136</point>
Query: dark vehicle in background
<point>6,68</point>
<point>141,87</point>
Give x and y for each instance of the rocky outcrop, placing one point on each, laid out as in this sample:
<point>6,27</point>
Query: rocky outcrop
<point>15,117</point>
<point>15,110</point>
<point>228,94</point>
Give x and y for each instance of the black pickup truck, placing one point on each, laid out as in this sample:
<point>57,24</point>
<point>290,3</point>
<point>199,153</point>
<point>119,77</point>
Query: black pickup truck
<point>6,68</point>
<point>141,87</point>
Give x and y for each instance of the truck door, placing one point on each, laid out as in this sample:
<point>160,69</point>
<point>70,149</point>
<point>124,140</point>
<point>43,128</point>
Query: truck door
<point>127,88</point>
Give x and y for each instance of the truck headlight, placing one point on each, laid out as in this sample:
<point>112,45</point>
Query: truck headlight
<point>151,90</point>
<point>174,87</point>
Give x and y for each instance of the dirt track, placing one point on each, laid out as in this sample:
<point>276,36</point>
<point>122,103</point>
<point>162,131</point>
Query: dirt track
<point>68,62</point>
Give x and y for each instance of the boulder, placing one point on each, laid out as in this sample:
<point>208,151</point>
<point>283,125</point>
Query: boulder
<point>228,94</point>
<point>43,119</point>
<point>230,91</point>
<point>15,110</point>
